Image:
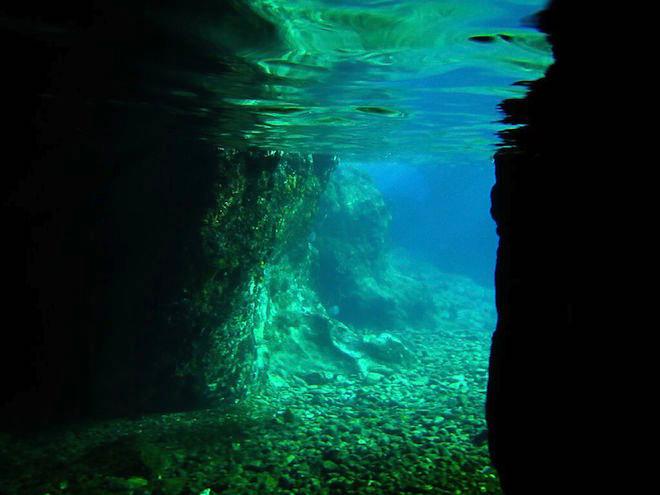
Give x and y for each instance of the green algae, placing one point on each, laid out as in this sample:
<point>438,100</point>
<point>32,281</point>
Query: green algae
<point>263,201</point>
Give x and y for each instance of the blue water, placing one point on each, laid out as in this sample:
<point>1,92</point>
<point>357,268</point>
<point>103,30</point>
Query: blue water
<point>440,205</point>
<point>442,215</point>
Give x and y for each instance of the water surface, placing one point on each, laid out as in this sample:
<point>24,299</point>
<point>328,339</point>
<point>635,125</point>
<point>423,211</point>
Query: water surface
<point>415,81</point>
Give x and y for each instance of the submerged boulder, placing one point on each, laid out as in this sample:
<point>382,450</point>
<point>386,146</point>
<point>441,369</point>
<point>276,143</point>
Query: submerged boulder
<point>196,343</point>
<point>387,348</point>
<point>357,271</point>
<point>304,341</point>
<point>352,208</point>
<point>264,207</point>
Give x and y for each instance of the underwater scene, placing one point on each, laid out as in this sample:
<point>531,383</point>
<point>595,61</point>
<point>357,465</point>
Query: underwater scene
<point>321,321</point>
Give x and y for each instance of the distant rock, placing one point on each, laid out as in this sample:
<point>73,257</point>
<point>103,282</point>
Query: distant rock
<point>355,270</point>
<point>317,378</point>
<point>386,347</point>
<point>373,377</point>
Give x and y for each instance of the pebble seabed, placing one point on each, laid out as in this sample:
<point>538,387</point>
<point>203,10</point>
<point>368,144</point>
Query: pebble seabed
<point>418,430</point>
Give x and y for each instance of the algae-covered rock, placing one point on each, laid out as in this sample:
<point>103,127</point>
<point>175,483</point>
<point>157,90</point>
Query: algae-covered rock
<point>387,348</point>
<point>264,204</point>
<point>180,295</point>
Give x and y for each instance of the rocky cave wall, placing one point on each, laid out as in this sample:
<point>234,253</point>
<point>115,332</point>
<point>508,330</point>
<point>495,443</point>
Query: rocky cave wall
<point>265,205</point>
<point>153,309</point>
<point>549,205</point>
<point>129,239</point>
<point>318,296</point>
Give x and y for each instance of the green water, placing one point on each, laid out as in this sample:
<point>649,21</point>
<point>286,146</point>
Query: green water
<point>358,366</point>
<point>412,80</point>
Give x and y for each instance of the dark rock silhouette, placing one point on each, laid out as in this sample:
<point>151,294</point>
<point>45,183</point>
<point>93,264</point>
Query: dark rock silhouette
<point>556,266</point>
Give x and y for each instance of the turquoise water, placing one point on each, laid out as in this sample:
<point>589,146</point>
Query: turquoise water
<point>390,86</point>
<point>414,81</point>
<point>337,326</point>
<point>441,214</point>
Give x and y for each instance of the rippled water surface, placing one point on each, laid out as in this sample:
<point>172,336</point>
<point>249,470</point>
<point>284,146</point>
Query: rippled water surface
<point>368,79</point>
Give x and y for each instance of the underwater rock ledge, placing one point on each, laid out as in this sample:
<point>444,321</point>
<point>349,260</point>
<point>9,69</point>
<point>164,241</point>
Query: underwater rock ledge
<point>262,203</point>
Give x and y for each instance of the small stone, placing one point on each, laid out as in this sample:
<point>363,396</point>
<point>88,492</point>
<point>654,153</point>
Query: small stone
<point>373,377</point>
<point>391,429</point>
<point>256,465</point>
<point>317,378</point>
<point>418,439</point>
<point>136,482</point>
<point>331,454</point>
<point>421,381</point>
<point>288,416</point>
<point>286,482</point>
<point>329,466</point>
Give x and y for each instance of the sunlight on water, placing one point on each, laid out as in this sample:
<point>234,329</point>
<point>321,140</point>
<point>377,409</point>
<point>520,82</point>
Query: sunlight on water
<point>427,75</point>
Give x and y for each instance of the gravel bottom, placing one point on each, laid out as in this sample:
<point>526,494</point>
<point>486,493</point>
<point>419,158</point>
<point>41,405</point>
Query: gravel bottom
<point>418,430</point>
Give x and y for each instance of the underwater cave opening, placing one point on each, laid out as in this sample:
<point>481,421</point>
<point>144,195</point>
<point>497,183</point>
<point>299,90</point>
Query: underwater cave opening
<point>264,262</point>
<point>415,321</point>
